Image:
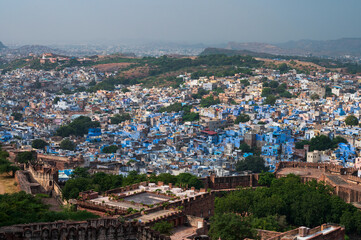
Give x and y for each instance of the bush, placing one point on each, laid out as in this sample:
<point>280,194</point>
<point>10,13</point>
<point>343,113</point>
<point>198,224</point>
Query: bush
<point>242,118</point>
<point>67,144</point>
<point>163,227</point>
<point>110,149</point>
<point>39,144</point>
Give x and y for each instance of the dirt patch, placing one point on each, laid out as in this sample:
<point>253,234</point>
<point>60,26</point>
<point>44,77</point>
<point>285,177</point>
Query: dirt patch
<point>138,72</point>
<point>111,67</point>
<point>7,184</point>
<point>297,64</point>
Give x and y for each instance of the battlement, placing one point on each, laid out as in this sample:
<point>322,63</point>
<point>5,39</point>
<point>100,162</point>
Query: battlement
<point>103,228</point>
<point>230,182</point>
<point>325,167</point>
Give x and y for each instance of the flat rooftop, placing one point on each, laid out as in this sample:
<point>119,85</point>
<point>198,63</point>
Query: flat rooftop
<point>160,213</point>
<point>147,198</point>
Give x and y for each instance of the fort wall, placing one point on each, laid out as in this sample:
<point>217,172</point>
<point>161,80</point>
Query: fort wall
<point>102,229</point>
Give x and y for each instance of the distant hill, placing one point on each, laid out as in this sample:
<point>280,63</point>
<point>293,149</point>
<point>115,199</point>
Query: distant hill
<point>331,48</point>
<point>2,46</point>
<point>36,49</point>
<point>229,52</point>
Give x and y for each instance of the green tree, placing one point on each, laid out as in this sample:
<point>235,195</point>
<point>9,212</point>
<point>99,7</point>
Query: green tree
<point>283,68</point>
<point>56,100</point>
<point>231,227</point>
<point>163,227</point>
<point>315,96</point>
<point>117,118</point>
<point>270,100</point>
<point>110,149</point>
<point>125,90</point>
<point>321,143</point>
<point>245,148</point>
<point>245,82</point>
<point>6,167</point>
<point>77,127</point>
<point>242,118</point>
<point>351,120</point>
<point>20,208</point>
<point>67,144</point>
<point>17,116</point>
<point>25,157</point>
<point>252,163</point>
<point>189,180</point>
<point>301,144</point>
<point>80,172</point>
<point>209,101</point>
<point>39,144</point>
<point>266,178</point>
<point>190,117</point>
<point>266,92</point>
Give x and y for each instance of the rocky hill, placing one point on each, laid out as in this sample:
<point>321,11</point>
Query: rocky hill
<point>330,48</point>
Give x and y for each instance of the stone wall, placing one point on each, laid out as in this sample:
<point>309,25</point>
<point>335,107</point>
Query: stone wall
<point>199,206</point>
<point>44,176</point>
<point>325,167</point>
<point>26,183</point>
<point>217,183</point>
<point>347,192</point>
<point>99,229</point>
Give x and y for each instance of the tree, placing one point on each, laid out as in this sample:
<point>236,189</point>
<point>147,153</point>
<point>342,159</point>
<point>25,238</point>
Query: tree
<point>245,148</point>
<point>163,227</point>
<point>117,118</point>
<point>20,208</point>
<point>6,166</point>
<point>25,157</point>
<point>17,116</point>
<point>321,143</point>
<point>125,90</point>
<point>80,172</point>
<point>283,68</point>
<point>110,149</point>
<point>315,96</point>
<point>67,144</point>
<point>39,144</point>
<point>190,117</point>
<point>266,178</point>
<point>245,82</point>
<point>270,100</point>
<point>301,144</point>
<point>337,140</point>
<point>242,118</point>
<point>189,180</point>
<point>231,227</point>
<point>77,127</point>
<point>252,163</point>
<point>56,100</point>
<point>266,92</point>
<point>351,120</point>
<point>209,101</point>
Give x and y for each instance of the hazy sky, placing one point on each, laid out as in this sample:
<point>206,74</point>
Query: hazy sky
<point>191,21</point>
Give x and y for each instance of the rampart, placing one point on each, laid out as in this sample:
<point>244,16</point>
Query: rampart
<point>59,162</point>
<point>44,176</point>
<point>217,183</point>
<point>324,167</point>
<point>341,179</point>
<point>26,184</point>
<point>99,229</point>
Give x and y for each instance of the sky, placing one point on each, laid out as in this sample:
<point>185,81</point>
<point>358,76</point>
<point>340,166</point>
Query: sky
<point>180,21</point>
